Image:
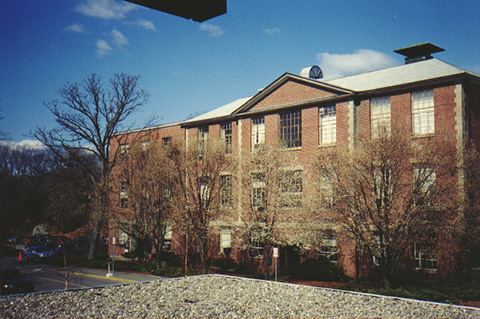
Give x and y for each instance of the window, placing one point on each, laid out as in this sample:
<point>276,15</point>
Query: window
<point>256,242</point>
<point>329,248</point>
<point>423,112</point>
<point>291,189</point>
<point>258,190</point>
<point>202,137</point>
<point>380,116</point>
<point>258,133</point>
<point>382,186</point>
<point>167,238</point>
<point>291,129</point>
<point>166,142</point>
<point>425,256</point>
<point>145,145</point>
<point>226,240</point>
<point>326,191</point>
<point>124,148</point>
<point>424,184</point>
<point>204,195</point>
<point>124,194</point>
<point>226,135</point>
<point>327,125</point>
<point>123,238</point>
<point>226,190</point>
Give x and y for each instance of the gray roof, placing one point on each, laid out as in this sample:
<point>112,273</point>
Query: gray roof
<point>384,78</point>
<point>398,75</point>
<point>221,111</point>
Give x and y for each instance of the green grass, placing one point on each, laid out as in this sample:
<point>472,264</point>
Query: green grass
<point>434,290</point>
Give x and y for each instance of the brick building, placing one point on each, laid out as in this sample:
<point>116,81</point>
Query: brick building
<point>426,97</point>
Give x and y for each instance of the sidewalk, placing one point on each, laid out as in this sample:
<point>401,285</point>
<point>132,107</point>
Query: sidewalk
<point>117,276</point>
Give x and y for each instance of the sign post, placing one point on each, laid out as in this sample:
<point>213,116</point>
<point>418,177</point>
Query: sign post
<point>275,256</point>
<point>113,257</point>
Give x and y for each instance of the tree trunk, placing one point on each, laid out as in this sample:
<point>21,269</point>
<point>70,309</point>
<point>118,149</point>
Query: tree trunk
<point>266,255</point>
<point>93,242</point>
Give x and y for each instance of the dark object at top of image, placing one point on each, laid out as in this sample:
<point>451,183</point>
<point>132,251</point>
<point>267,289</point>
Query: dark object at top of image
<point>189,9</point>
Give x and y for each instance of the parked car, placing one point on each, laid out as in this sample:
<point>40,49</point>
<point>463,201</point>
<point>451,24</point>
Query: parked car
<point>37,252</point>
<point>13,282</point>
<point>11,240</point>
<point>27,240</point>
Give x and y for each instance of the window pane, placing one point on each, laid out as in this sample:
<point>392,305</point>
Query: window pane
<point>328,125</point>
<point>258,132</point>
<point>423,112</point>
<point>226,135</point>
<point>291,129</point>
<point>380,115</point>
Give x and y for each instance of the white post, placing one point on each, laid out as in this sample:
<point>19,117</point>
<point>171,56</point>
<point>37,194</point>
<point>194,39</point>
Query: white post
<point>275,256</point>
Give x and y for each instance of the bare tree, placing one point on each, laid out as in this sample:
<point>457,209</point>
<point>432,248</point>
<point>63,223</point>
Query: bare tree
<point>3,134</point>
<point>147,179</point>
<point>89,115</point>
<point>385,191</point>
<point>272,189</point>
<point>197,198</point>
<point>23,182</point>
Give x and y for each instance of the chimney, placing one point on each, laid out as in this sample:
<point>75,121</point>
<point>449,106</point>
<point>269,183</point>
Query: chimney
<point>419,52</point>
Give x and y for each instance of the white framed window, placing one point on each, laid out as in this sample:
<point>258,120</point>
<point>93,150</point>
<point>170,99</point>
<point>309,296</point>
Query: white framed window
<point>380,116</point>
<point>425,257</point>
<point>256,243</point>
<point>226,240</point>
<point>145,145</point>
<point>329,248</point>
<point>123,192</point>
<point>258,190</point>
<point>382,185</point>
<point>167,238</point>
<point>226,135</point>
<point>226,199</point>
<point>423,112</point>
<point>291,187</point>
<point>203,188</point>
<point>124,148</point>
<point>258,133</point>
<point>327,124</point>
<point>202,137</point>
<point>123,238</point>
<point>326,191</point>
<point>424,184</point>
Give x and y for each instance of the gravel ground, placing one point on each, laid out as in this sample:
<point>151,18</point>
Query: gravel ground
<point>217,296</point>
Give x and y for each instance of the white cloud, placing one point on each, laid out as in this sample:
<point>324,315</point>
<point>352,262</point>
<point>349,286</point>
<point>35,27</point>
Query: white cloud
<point>25,144</point>
<point>339,65</point>
<point>147,25</point>
<point>212,29</point>
<point>76,28</point>
<point>272,31</point>
<point>103,48</point>
<point>105,9</point>
<point>118,39</point>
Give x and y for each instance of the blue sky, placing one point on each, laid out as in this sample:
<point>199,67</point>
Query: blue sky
<point>190,68</point>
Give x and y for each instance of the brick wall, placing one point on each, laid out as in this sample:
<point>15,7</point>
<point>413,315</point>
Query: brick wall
<point>291,92</point>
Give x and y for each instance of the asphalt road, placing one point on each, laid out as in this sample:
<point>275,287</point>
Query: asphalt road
<point>49,278</point>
